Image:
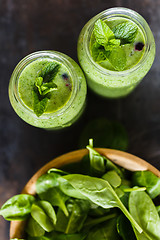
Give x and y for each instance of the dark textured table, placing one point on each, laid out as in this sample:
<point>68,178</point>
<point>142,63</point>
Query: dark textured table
<point>27,26</point>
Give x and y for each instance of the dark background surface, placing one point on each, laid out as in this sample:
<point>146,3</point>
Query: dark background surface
<point>30,25</point>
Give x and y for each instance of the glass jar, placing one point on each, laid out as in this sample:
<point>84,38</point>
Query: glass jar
<point>108,83</point>
<point>65,115</point>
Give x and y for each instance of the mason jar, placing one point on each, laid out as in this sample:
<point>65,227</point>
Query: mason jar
<point>67,101</point>
<point>112,83</point>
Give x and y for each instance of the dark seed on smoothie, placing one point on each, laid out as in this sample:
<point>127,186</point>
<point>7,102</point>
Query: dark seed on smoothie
<point>139,46</point>
<point>65,76</point>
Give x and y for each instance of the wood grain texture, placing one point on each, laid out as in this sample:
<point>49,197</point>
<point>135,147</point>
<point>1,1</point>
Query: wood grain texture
<point>28,26</point>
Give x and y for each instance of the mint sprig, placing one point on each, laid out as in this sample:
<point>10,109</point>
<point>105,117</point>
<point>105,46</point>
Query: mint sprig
<point>43,85</point>
<point>102,32</point>
<point>126,32</point>
<point>117,58</point>
<point>108,43</point>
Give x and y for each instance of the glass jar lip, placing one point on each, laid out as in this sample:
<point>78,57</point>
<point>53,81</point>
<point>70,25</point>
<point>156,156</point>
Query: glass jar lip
<point>56,56</point>
<point>114,12</point>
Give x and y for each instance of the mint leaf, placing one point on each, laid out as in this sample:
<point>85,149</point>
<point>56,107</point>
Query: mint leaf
<point>48,87</point>
<point>102,32</point>
<point>39,105</point>
<point>117,58</point>
<point>43,85</point>
<point>95,48</point>
<point>102,56</point>
<point>112,44</point>
<point>49,71</point>
<point>98,52</point>
<point>38,83</point>
<point>125,31</point>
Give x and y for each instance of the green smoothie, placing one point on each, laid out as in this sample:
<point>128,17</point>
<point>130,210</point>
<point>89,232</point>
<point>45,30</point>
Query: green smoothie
<point>116,49</point>
<point>47,89</point>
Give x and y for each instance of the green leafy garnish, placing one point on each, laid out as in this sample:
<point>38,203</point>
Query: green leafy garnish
<point>49,71</point>
<point>102,32</point>
<point>126,32</point>
<point>112,44</point>
<point>117,58</point>
<point>39,104</point>
<point>43,85</point>
<point>44,88</point>
<point>108,43</point>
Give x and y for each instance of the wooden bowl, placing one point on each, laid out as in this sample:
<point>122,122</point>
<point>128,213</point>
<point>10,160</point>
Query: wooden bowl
<point>123,159</point>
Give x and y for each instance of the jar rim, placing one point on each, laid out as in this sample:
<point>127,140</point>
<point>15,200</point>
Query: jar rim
<point>56,56</point>
<point>125,13</point>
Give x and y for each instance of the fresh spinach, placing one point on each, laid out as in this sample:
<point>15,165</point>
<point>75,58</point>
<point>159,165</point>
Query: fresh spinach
<point>91,222</point>
<point>105,231</point>
<point>40,212</point>
<point>144,212</point>
<point>17,207</point>
<point>100,192</point>
<point>62,236</point>
<point>34,229</point>
<point>97,162</point>
<point>124,228</point>
<point>113,178</point>
<point>78,210</point>
<point>56,197</point>
<point>149,180</point>
<point>46,181</point>
<point>69,190</point>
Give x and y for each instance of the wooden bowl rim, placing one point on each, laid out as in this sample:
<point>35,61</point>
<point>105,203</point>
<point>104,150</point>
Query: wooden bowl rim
<point>123,159</point>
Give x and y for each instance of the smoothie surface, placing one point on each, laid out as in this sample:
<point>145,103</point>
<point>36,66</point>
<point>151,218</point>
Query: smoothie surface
<point>133,55</point>
<point>57,98</point>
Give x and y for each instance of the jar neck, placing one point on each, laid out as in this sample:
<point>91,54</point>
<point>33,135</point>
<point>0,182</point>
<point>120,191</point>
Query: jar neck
<point>126,14</point>
<point>50,55</point>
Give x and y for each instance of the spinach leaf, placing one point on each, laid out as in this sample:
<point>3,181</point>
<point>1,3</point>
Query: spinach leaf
<point>34,229</point>
<point>56,197</point>
<point>17,207</point>
<point>39,213</point>
<point>78,210</point>
<point>68,189</point>
<point>46,181</point>
<point>100,192</point>
<point>97,162</point>
<point>58,171</point>
<point>62,236</point>
<point>149,180</point>
<point>105,231</point>
<point>125,31</point>
<point>38,238</point>
<point>144,212</point>
<point>91,222</point>
<point>113,178</point>
<point>125,229</point>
